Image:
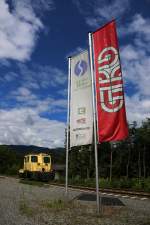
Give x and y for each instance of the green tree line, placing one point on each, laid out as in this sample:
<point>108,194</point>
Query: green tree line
<point>11,157</point>
<point>10,161</point>
<point>126,159</point>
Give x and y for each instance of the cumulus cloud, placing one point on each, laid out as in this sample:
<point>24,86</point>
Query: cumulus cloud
<point>25,97</point>
<point>29,103</point>
<point>135,59</point>
<point>40,6</point>
<point>25,126</point>
<point>139,28</point>
<point>23,94</point>
<point>19,30</point>
<point>137,108</point>
<point>38,76</point>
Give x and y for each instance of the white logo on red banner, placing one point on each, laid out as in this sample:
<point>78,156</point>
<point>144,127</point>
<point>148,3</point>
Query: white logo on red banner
<point>110,80</point>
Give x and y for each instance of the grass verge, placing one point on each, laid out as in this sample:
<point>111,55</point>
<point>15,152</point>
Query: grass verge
<point>33,182</point>
<point>25,209</point>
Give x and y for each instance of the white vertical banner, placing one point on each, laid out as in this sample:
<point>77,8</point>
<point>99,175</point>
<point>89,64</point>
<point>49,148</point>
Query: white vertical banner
<point>81,114</point>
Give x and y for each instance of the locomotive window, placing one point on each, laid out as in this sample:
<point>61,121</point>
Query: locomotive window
<point>46,159</point>
<point>34,158</point>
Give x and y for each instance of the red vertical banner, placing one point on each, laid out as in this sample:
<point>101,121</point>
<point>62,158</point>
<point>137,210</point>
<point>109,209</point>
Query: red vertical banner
<point>111,115</point>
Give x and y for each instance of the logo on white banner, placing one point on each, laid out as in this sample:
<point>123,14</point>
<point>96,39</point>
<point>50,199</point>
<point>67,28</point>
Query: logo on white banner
<point>110,80</point>
<point>81,110</point>
<point>80,68</point>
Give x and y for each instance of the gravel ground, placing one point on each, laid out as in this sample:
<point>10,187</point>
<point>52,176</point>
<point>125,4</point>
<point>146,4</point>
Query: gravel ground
<point>22,204</point>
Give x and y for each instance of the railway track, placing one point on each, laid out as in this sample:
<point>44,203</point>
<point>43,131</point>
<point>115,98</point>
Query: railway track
<point>107,191</point>
<point>111,192</point>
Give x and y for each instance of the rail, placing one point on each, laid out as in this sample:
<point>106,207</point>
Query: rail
<point>109,190</point>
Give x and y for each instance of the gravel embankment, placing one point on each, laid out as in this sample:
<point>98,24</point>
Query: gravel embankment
<point>22,204</point>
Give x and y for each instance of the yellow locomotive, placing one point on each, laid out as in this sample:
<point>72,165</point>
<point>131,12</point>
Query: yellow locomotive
<point>37,167</point>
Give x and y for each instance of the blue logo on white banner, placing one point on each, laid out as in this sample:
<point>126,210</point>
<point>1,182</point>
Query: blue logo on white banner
<point>80,68</point>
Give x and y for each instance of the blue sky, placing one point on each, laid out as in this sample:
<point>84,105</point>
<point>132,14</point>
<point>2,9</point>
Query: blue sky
<point>37,36</point>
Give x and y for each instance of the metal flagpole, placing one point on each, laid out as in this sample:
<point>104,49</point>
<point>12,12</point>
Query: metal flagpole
<point>94,115</point>
<point>68,124</point>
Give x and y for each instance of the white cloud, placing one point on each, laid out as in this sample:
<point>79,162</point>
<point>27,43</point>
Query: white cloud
<point>63,92</point>
<point>40,6</point>
<point>100,11</point>
<point>109,10</point>
<point>76,51</point>
<point>25,123</point>
<point>128,53</point>
<point>135,59</point>
<point>19,29</point>
<point>25,126</point>
<point>36,77</point>
<point>137,108</point>
<point>28,120</point>
<point>39,76</point>
<point>140,26</point>
<point>25,97</point>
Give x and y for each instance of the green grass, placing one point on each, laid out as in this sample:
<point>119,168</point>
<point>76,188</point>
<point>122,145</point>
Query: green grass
<point>26,209</point>
<point>33,182</point>
<point>132,184</point>
<point>58,204</point>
